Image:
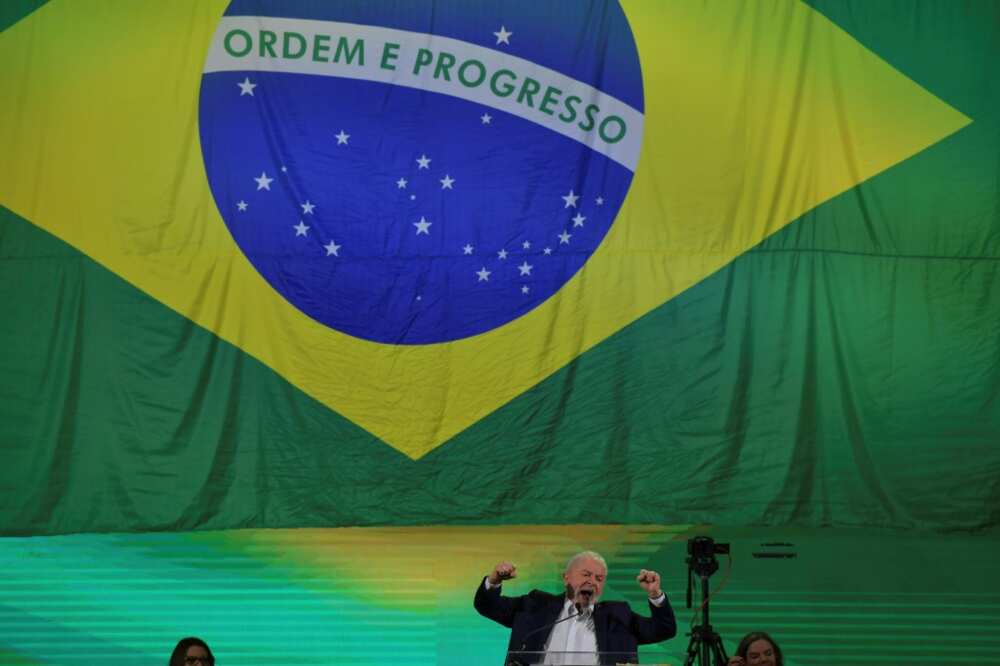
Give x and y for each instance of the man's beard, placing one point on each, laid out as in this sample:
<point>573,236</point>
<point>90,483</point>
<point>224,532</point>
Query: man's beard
<point>582,597</point>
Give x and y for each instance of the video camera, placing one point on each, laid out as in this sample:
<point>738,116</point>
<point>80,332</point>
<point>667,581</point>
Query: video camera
<point>701,555</point>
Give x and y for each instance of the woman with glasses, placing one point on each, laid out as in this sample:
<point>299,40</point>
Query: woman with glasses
<point>757,649</point>
<point>192,652</point>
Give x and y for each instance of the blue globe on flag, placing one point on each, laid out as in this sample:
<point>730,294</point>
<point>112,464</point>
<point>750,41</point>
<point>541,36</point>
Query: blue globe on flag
<point>420,172</point>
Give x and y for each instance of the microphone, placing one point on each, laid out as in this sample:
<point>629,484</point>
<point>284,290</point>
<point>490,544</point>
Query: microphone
<point>524,643</point>
<point>578,612</point>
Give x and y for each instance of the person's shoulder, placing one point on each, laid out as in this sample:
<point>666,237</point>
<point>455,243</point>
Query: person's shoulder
<point>543,598</point>
<point>616,604</point>
<point>543,595</point>
<point>616,608</point>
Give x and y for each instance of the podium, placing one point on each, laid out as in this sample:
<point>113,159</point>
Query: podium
<point>541,657</point>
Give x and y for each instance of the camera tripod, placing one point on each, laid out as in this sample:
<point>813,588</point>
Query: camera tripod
<point>705,645</point>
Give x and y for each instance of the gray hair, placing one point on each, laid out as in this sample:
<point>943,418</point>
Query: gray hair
<point>585,555</point>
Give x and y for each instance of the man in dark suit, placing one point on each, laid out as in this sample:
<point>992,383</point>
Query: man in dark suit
<point>576,621</point>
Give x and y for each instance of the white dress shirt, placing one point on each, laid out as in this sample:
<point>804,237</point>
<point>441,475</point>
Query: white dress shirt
<point>575,636</point>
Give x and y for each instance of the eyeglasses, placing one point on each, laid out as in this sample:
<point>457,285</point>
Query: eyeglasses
<point>200,661</point>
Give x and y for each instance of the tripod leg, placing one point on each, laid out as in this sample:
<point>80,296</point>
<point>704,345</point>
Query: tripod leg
<point>719,651</point>
<point>692,652</point>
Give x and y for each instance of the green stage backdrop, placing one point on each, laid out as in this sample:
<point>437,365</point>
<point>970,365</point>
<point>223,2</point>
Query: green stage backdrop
<point>788,328</point>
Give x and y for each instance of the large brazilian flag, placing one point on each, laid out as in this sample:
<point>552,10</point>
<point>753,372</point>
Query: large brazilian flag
<point>474,278</point>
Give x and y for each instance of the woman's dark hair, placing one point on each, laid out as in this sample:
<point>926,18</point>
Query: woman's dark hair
<point>744,646</point>
<point>177,656</point>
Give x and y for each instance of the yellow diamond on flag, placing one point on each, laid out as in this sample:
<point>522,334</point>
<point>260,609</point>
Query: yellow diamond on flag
<point>754,114</point>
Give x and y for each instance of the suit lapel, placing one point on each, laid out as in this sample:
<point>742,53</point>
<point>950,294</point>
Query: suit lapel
<point>546,616</point>
<point>601,619</point>
<point>553,610</point>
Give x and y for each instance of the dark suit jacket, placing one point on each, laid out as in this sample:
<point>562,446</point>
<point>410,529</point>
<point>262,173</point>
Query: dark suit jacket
<point>618,629</point>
